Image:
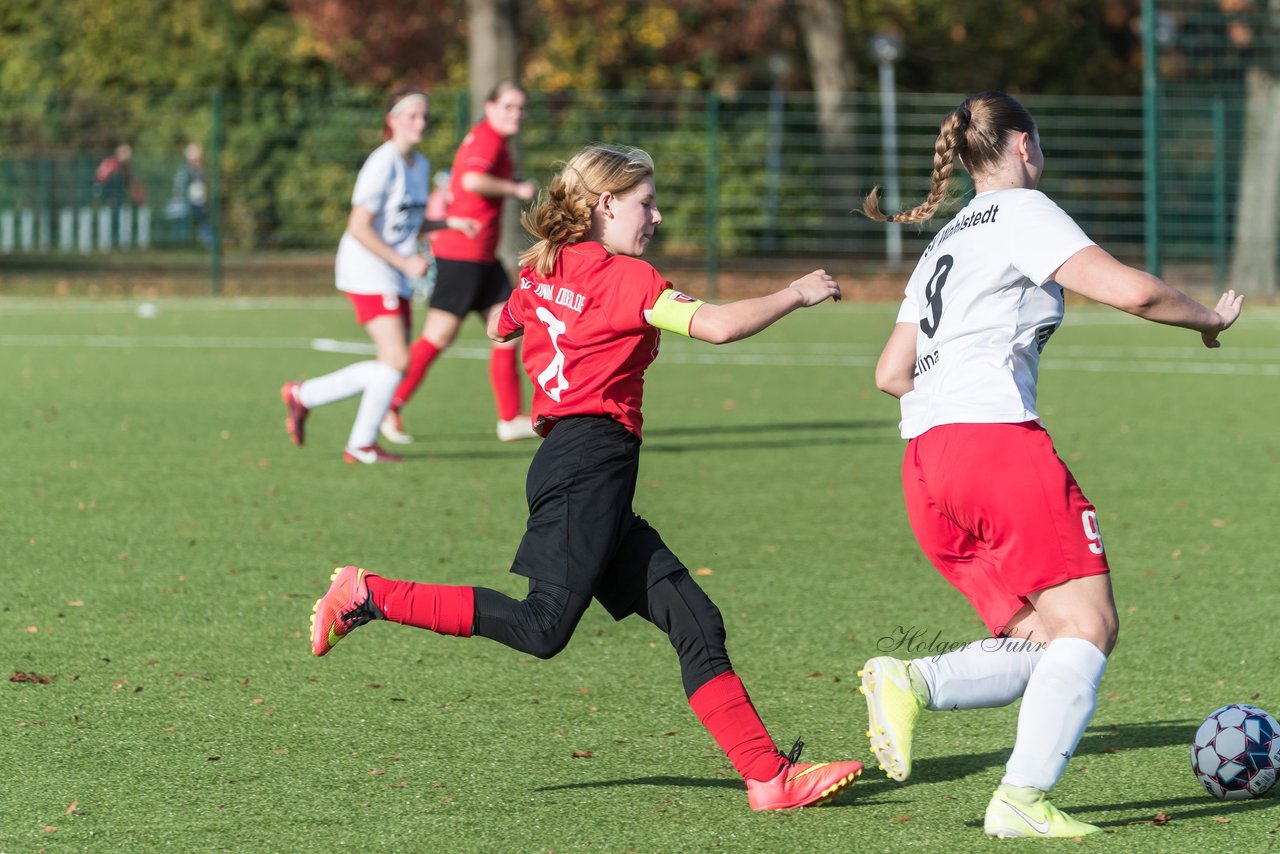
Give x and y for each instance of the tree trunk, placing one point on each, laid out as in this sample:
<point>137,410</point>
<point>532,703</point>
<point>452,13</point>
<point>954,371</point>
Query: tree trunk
<point>832,69</point>
<point>492,58</point>
<point>1253,262</point>
<point>834,76</point>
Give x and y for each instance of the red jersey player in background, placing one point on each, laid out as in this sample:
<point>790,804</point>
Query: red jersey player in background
<point>590,312</point>
<point>469,276</point>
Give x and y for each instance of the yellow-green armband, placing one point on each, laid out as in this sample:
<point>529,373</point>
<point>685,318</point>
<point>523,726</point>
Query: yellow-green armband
<point>673,311</point>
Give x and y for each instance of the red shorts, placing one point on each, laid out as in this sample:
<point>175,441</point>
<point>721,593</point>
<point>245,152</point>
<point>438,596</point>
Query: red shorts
<point>369,306</point>
<point>999,515</point>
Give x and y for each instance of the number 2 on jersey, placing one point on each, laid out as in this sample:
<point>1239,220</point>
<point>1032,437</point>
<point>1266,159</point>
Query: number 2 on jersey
<point>555,370</point>
<point>933,294</point>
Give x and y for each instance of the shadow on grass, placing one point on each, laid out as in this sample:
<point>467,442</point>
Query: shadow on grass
<point>845,798</point>
<point>1144,812</point>
<point>1173,808</point>
<point>658,439</point>
<point>1100,739</point>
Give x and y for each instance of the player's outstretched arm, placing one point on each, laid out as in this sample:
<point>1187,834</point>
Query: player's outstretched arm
<point>1095,273</point>
<point>720,324</point>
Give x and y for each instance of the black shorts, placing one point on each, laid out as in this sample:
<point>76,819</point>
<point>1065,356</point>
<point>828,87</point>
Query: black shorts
<point>466,286</point>
<point>582,533</point>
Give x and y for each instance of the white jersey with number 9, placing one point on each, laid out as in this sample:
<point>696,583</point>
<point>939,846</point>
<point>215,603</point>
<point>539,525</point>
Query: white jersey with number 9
<point>984,307</point>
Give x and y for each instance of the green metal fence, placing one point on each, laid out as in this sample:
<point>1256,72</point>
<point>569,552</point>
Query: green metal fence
<point>746,181</point>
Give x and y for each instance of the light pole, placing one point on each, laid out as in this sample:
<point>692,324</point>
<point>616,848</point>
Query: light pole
<point>886,49</point>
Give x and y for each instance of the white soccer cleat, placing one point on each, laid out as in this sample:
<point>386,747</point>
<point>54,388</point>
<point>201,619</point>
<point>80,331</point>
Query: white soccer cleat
<point>370,455</point>
<point>516,429</point>
<point>392,429</point>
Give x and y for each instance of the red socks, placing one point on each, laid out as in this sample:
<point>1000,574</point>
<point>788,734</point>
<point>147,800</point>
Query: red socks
<point>505,377</point>
<point>441,608</point>
<point>725,710</point>
<point>421,355</point>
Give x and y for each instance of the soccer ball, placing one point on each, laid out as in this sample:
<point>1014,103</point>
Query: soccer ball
<point>1236,752</point>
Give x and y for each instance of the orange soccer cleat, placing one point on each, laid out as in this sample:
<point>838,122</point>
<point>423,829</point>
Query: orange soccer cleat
<point>296,417</point>
<point>802,785</point>
<point>346,605</point>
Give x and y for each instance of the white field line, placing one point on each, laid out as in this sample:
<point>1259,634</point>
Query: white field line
<point>1103,359</point>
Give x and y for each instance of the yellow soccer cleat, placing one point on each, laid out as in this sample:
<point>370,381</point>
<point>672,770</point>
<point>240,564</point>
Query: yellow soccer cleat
<point>893,707</point>
<point>1020,813</point>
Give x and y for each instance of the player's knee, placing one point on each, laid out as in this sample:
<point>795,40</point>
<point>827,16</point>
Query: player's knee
<point>1100,629</point>
<point>398,361</point>
<point>547,643</point>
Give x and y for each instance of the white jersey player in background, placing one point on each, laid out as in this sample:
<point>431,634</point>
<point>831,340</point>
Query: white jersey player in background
<point>377,257</point>
<point>990,502</point>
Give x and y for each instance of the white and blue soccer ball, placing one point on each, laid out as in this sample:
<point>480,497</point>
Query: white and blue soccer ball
<point>1236,752</point>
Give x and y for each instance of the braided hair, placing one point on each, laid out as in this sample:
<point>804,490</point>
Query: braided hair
<point>976,132</point>
<point>562,213</point>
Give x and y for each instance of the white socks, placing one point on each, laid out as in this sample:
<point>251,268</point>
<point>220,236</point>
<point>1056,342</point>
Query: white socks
<point>1056,708</point>
<point>374,379</point>
<point>985,673</point>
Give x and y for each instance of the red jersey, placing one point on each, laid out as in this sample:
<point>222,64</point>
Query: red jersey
<point>587,339</point>
<point>483,150</point>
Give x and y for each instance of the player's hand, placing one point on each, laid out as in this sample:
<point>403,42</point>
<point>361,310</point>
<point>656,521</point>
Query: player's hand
<point>414,266</point>
<point>526,190</point>
<point>1227,309</point>
<point>816,287</point>
<point>468,226</point>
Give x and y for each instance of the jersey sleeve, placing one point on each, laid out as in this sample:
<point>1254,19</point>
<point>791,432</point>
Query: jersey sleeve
<point>630,301</point>
<point>1047,238</point>
<point>481,155</point>
<point>673,311</point>
<point>373,183</point>
<point>511,318</point>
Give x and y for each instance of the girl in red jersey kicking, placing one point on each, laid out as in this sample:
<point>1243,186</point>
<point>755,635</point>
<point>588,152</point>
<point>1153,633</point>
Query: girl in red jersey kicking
<point>590,312</point>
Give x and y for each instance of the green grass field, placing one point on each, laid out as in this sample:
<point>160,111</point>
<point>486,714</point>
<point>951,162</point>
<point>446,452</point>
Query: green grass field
<point>164,543</point>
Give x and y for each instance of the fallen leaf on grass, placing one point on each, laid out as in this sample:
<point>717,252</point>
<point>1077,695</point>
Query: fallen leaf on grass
<point>903,817</point>
<point>704,571</point>
<point>581,754</point>
<point>376,772</point>
<point>1222,819</point>
<point>73,808</point>
<point>36,678</point>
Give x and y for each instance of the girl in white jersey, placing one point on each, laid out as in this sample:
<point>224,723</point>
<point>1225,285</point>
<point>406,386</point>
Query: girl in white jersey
<point>377,256</point>
<point>990,502</point>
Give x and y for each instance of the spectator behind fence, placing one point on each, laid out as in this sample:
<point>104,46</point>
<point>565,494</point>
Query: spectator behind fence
<point>114,178</point>
<point>190,202</point>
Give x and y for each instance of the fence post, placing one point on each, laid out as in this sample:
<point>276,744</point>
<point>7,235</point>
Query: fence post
<point>44,225</point>
<point>215,195</point>
<point>1151,137</point>
<point>1220,192</point>
<point>713,192</point>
